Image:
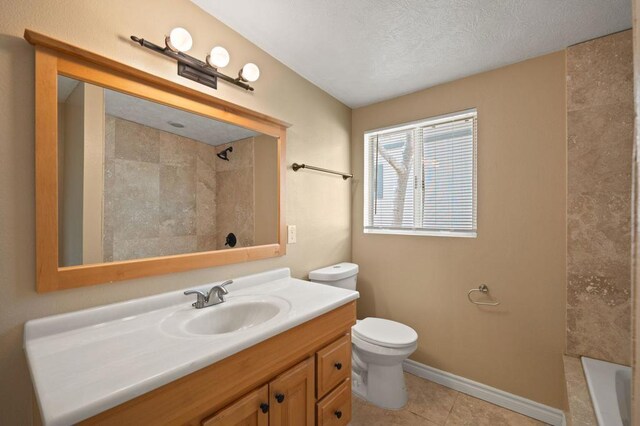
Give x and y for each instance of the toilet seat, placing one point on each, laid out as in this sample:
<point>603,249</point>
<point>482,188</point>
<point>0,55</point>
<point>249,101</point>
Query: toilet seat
<point>386,333</point>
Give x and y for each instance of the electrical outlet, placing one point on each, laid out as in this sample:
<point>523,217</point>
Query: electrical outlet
<point>291,234</point>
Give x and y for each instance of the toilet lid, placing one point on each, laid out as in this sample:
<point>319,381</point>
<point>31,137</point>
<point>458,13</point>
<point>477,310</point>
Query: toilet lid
<point>385,333</point>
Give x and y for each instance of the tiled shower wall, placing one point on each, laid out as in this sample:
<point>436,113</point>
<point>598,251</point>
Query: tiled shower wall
<point>161,192</point>
<point>600,117</point>
<point>235,188</point>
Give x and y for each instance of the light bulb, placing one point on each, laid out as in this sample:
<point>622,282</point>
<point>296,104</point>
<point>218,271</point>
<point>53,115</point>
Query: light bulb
<point>179,40</point>
<point>250,72</point>
<point>218,57</point>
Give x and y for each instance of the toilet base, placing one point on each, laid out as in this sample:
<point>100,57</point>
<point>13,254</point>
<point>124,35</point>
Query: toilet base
<point>382,385</point>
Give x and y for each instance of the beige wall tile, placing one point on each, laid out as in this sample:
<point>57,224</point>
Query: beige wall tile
<point>136,142</point>
<point>137,248</point>
<point>177,218</point>
<point>600,72</point>
<point>178,151</point>
<point>136,180</point>
<point>206,243</point>
<point>599,234</point>
<point>580,407</point>
<point>597,328</point>
<point>206,210</point>
<point>635,391</point>
<point>177,245</point>
<point>600,141</point>
<point>109,137</point>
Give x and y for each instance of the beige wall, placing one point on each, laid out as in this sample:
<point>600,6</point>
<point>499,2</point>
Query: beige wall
<point>520,249</point>
<point>81,160</point>
<point>265,151</point>
<point>61,136</point>
<point>320,135</point>
<point>599,157</point>
<point>93,175</point>
<point>72,175</point>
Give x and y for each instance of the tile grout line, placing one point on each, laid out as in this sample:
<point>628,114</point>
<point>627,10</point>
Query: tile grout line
<point>451,409</point>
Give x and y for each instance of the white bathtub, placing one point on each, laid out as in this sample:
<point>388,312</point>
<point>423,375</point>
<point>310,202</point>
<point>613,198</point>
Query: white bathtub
<point>610,389</point>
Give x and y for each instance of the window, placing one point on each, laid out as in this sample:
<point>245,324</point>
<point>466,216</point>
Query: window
<point>420,178</point>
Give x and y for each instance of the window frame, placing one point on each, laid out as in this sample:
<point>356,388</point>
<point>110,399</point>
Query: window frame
<point>369,178</point>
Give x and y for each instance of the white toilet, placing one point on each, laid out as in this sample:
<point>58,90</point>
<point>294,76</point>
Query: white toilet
<point>378,346</point>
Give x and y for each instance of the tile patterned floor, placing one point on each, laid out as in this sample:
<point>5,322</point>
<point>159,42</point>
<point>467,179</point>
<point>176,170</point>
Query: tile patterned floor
<point>431,404</point>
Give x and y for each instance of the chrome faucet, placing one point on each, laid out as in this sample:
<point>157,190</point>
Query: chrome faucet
<point>215,296</point>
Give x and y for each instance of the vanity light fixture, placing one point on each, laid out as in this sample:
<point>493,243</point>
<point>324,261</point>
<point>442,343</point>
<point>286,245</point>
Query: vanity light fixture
<point>180,41</point>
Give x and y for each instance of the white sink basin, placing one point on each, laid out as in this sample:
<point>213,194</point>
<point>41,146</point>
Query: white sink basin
<point>234,315</point>
<point>225,318</point>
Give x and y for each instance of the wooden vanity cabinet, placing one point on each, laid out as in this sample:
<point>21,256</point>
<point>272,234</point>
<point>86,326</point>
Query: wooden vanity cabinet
<point>302,374</point>
<point>286,400</point>
<point>291,396</point>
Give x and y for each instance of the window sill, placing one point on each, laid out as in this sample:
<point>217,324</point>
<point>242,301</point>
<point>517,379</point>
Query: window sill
<point>422,233</point>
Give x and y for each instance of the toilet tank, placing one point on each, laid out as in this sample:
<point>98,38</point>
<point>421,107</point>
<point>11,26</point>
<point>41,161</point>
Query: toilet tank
<point>343,275</point>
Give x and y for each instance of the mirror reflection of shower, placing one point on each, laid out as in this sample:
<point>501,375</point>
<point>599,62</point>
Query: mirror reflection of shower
<point>224,154</point>
<point>155,183</point>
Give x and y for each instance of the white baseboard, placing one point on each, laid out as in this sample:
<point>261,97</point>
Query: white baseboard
<point>521,405</point>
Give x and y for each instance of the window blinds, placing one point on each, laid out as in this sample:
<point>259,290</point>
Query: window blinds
<point>420,178</point>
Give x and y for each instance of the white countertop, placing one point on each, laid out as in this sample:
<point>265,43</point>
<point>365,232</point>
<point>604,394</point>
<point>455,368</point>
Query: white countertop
<point>85,362</point>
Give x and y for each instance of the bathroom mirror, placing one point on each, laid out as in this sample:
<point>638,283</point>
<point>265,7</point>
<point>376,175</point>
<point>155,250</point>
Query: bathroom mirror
<point>139,176</point>
<point>138,179</point>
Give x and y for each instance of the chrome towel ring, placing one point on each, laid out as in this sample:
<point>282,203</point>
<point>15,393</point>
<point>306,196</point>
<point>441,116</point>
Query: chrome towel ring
<point>482,289</point>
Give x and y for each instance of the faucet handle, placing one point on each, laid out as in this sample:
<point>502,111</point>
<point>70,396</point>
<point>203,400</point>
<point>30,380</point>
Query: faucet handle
<point>201,300</point>
<point>222,286</point>
<point>218,290</point>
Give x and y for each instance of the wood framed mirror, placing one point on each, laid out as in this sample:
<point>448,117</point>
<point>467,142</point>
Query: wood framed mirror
<point>139,176</point>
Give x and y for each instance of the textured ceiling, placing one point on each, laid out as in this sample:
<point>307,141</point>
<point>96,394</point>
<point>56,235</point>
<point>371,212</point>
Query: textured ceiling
<point>364,51</point>
<point>159,116</point>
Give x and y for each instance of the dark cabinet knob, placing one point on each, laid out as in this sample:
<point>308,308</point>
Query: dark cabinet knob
<point>338,413</point>
<point>279,398</point>
<point>338,365</point>
<point>264,407</point>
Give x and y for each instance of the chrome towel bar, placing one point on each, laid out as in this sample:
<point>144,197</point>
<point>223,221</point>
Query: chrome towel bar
<point>482,289</point>
<point>297,167</point>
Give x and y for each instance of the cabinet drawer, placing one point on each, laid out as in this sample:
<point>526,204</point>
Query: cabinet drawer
<point>335,408</point>
<point>334,365</point>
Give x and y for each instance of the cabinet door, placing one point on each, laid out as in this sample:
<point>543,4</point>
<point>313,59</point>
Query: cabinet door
<point>250,410</point>
<point>291,396</point>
